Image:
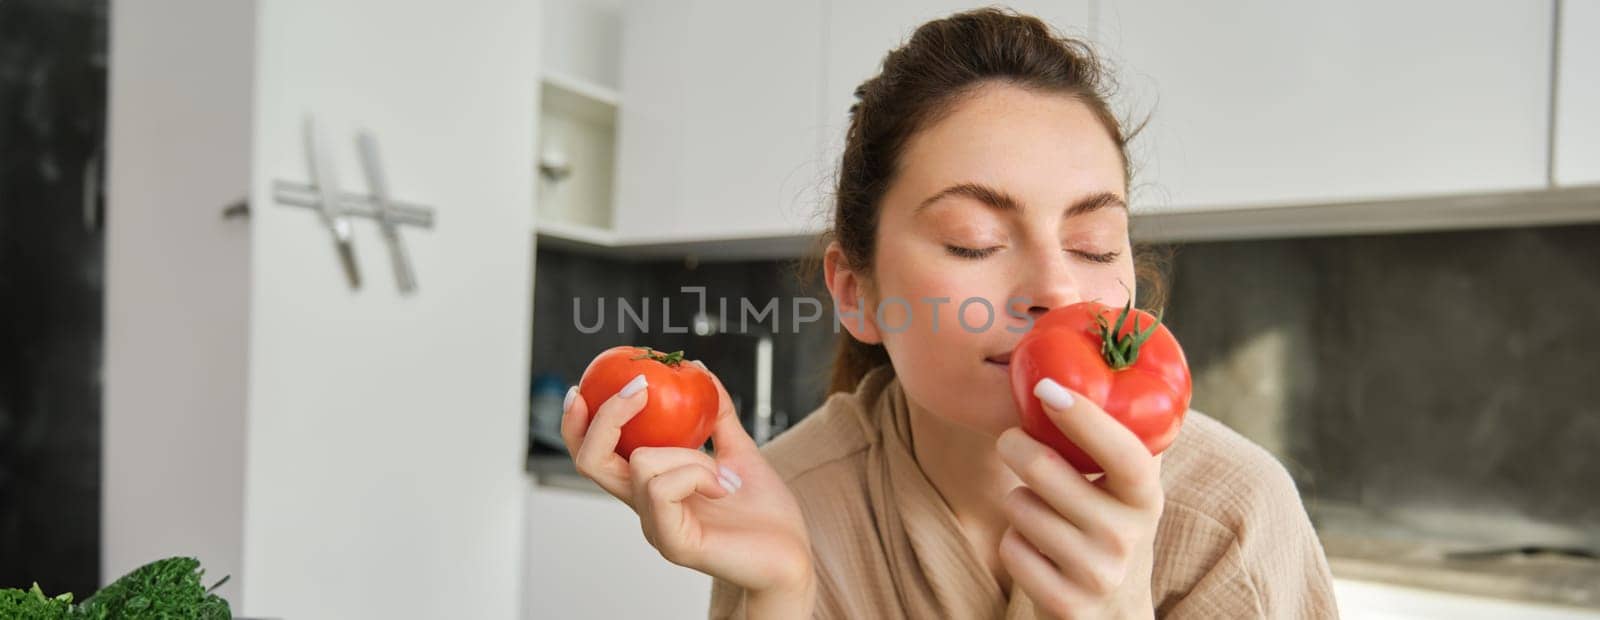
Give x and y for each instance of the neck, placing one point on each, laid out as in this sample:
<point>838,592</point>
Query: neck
<point>966,469</point>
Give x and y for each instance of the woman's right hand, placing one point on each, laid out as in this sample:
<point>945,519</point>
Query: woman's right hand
<point>730,516</point>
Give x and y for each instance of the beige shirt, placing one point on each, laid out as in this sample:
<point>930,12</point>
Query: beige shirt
<point>1233,542</point>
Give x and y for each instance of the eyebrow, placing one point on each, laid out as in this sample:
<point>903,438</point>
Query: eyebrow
<point>1000,200</point>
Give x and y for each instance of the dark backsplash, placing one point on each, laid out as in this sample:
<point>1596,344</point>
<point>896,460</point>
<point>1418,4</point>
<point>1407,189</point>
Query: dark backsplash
<point>801,351</point>
<point>1418,372</point>
<point>1449,371</point>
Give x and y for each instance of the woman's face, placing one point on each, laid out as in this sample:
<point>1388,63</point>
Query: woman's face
<point>1015,198</point>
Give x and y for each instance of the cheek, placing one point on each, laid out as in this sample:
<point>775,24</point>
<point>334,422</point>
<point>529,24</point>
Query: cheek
<point>952,318</point>
<point>942,368</point>
<point>1113,287</point>
<point>945,374</point>
<point>980,314</point>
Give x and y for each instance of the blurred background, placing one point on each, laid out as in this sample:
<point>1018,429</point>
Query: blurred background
<point>296,288</point>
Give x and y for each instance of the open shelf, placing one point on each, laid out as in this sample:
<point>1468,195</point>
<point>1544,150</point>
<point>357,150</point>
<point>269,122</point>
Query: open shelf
<point>577,140</point>
<point>580,99</point>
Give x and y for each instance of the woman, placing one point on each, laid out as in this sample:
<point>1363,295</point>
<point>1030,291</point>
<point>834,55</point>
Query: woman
<point>982,162</point>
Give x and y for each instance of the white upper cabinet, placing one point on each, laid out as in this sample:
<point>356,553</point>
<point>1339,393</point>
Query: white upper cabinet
<point>718,135</point>
<point>1266,103</point>
<point>859,34</point>
<point>1577,135</point>
<point>650,122</point>
<point>733,115</point>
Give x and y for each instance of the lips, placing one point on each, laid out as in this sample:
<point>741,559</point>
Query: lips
<point>1002,359</point>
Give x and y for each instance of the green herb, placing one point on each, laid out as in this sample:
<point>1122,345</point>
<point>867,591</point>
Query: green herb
<point>167,589</point>
<point>32,604</point>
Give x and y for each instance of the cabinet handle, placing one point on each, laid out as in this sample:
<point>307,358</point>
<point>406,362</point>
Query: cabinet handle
<point>237,209</point>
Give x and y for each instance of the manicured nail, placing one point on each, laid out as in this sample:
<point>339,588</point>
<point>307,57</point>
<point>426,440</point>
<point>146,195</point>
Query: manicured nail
<point>727,484</point>
<point>730,476</point>
<point>566,403</point>
<point>1053,395</point>
<point>633,387</point>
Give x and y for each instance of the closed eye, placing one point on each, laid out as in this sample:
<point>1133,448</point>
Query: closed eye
<point>1106,258</point>
<point>970,253</point>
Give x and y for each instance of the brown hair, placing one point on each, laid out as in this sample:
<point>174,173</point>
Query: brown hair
<point>945,60</point>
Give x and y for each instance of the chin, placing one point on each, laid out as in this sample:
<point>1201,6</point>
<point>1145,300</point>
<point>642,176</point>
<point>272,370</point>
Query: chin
<point>987,409</point>
<point>976,398</point>
<point>988,406</point>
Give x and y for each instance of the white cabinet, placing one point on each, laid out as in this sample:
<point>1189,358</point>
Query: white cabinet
<point>650,137</point>
<point>734,115</point>
<point>718,132</point>
<point>1365,600</point>
<point>340,452</point>
<point>1577,134</point>
<point>587,558</point>
<point>1265,103</point>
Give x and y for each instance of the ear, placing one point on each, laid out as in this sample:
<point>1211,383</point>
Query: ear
<point>850,293</point>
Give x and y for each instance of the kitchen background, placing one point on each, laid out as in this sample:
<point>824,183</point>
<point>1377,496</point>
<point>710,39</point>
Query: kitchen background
<point>1381,224</point>
<point>52,283</point>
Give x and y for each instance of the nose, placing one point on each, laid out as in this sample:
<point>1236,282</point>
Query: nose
<point>1050,282</point>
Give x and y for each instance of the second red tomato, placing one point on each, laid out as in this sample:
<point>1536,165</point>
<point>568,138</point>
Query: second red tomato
<point>1122,359</point>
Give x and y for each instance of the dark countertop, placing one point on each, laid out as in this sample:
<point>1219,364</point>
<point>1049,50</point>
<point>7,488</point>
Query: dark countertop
<point>554,469</point>
<point>1426,551</point>
<point>1546,579</point>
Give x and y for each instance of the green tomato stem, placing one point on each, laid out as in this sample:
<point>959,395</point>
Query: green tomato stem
<point>671,359</point>
<point>1122,350</point>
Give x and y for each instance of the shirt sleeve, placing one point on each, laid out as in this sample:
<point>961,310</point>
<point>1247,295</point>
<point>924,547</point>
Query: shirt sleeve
<point>727,601</point>
<point>1266,562</point>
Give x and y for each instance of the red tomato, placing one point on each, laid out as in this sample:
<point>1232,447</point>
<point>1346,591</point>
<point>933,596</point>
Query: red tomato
<point>1122,359</point>
<point>682,405</point>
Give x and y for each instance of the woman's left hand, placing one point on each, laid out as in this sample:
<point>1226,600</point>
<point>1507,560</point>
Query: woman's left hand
<point>1081,548</point>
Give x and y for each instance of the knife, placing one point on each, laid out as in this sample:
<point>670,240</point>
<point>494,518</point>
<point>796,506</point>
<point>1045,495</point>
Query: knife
<point>367,147</point>
<point>323,179</point>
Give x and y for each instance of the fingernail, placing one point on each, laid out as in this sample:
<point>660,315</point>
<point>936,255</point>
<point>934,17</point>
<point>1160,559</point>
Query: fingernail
<point>633,387</point>
<point>727,484</point>
<point>1053,395</point>
<point>730,476</point>
<point>566,403</point>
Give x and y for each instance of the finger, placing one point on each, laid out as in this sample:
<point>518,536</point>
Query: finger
<point>1058,484</point>
<point>1085,561</point>
<point>610,474</point>
<point>597,457</point>
<point>663,497</point>
<point>1036,575</point>
<point>1131,473</point>
<point>574,421</point>
<point>647,462</point>
<point>669,488</point>
<point>728,437</point>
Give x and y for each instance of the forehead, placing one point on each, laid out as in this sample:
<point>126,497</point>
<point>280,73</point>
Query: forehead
<point>1045,146</point>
